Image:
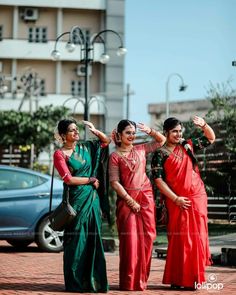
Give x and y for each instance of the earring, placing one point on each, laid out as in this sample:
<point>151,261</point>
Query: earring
<point>118,139</point>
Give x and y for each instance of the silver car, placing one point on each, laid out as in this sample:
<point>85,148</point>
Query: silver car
<point>24,208</point>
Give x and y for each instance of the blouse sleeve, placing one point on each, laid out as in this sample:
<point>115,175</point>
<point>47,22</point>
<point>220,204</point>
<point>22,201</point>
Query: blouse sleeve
<point>114,174</point>
<point>151,147</point>
<point>200,143</point>
<point>157,165</point>
<point>61,166</point>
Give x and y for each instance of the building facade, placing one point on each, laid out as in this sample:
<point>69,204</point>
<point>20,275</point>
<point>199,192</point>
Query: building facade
<point>30,79</point>
<point>183,110</point>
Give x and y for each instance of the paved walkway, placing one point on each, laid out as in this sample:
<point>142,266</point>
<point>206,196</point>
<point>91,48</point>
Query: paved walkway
<point>35,272</point>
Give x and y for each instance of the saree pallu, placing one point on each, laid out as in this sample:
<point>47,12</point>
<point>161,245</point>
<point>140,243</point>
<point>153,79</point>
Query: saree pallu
<point>84,260</point>
<point>188,246</point>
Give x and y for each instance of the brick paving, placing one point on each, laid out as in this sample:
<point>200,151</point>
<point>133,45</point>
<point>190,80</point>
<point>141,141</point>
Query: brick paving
<point>35,272</point>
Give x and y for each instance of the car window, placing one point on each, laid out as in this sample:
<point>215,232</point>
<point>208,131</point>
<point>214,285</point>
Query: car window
<point>10,180</point>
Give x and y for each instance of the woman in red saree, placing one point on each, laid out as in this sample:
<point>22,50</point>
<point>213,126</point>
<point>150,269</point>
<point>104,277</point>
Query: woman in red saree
<point>177,177</point>
<point>135,203</point>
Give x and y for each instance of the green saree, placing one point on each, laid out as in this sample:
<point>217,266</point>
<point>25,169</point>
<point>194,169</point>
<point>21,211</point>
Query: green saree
<point>84,260</point>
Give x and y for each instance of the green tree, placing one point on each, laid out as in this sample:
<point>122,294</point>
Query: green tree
<point>21,128</point>
<point>223,112</point>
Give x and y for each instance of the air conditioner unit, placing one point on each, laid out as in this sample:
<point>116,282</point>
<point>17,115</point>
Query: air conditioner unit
<point>80,70</point>
<point>30,14</point>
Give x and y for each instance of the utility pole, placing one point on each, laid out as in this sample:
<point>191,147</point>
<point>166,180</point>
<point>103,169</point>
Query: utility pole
<point>128,93</point>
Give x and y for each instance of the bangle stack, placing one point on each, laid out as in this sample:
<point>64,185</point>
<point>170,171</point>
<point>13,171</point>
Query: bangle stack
<point>130,202</point>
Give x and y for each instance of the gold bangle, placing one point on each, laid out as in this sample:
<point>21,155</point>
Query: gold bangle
<point>130,202</point>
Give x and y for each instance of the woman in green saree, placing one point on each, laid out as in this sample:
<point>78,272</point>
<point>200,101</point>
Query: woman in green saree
<point>78,164</point>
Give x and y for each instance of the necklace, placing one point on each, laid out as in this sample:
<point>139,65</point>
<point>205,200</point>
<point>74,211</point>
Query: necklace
<point>72,147</point>
<point>125,150</point>
<point>179,154</point>
<point>133,161</point>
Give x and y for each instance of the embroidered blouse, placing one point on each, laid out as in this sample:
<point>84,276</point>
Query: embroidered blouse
<point>162,154</point>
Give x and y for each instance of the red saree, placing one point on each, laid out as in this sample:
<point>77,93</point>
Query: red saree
<point>188,247</point>
<point>137,231</point>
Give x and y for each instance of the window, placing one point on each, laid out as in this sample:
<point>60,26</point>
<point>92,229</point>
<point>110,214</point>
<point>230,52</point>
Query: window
<point>77,40</point>
<point>42,91</point>
<point>10,179</point>
<point>37,34</point>
<point>77,87</point>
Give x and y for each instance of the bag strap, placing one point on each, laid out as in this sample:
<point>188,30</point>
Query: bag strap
<point>66,198</point>
<point>51,191</point>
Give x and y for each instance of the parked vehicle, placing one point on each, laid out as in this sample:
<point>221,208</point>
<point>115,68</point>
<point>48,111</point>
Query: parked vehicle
<point>24,208</point>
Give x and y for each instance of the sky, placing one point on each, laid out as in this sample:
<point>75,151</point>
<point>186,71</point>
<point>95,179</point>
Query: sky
<point>194,38</point>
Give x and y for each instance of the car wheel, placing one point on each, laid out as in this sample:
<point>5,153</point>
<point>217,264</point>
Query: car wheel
<point>19,243</point>
<point>47,239</point>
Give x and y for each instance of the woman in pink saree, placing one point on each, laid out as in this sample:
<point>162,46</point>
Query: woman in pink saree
<point>177,177</point>
<point>135,203</point>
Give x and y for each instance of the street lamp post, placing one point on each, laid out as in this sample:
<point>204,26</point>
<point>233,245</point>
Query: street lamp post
<point>93,98</point>
<point>86,54</point>
<point>182,87</point>
<point>128,93</point>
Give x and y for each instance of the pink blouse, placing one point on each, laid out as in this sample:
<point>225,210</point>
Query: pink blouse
<point>60,160</point>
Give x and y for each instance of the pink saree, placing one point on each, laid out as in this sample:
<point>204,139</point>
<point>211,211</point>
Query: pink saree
<point>137,231</point>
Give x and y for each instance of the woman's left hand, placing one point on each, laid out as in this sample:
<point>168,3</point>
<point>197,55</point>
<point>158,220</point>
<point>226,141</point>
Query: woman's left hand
<point>144,128</point>
<point>96,184</point>
<point>198,121</point>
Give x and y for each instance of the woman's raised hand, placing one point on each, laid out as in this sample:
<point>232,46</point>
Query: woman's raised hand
<point>91,127</point>
<point>144,128</point>
<point>198,121</point>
